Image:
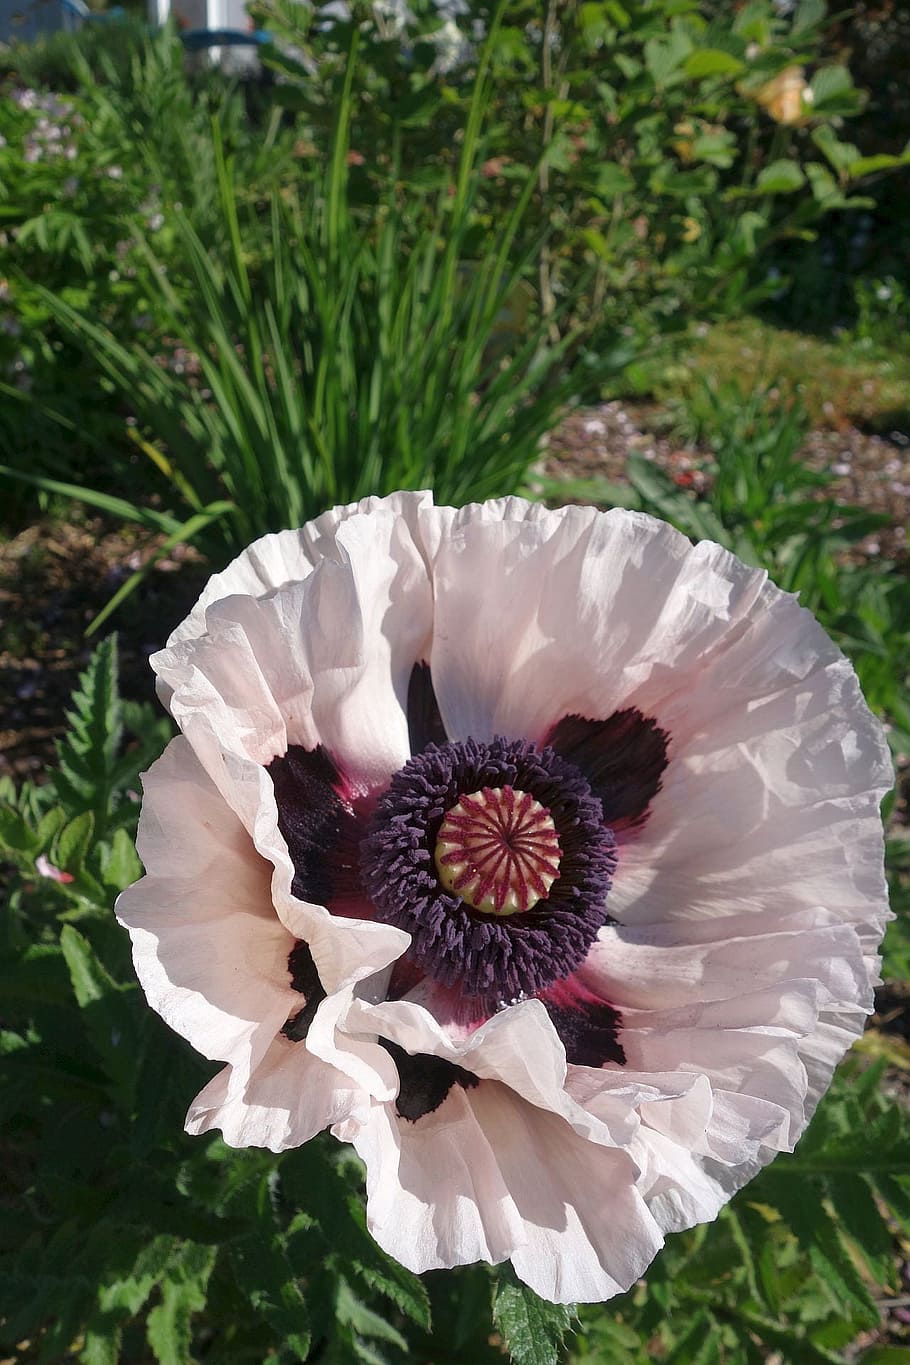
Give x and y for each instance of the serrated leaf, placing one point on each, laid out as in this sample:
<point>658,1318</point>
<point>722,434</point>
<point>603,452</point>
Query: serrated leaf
<point>15,833</point>
<point>267,1280</point>
<point>183,1293</point>
<point>881,1144</point>
<point>104,1005</point>
<point>855,1207</point>
<point>362,1320</point>
<point>101,1347</point>
<point>896,1192</point>
<point>73,843</point>
<point>532,1329</point>
<point>323,1193</point>
<point>90,979</point>
<point>86,756</point>
<point>820,1238</point>
<point>149,732</point>
<point>120,865</point>
<point>699,1343</point>
<point>129,1294</point>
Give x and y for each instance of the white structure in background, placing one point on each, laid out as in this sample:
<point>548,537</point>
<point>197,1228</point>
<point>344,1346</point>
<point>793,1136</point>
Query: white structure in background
<point>202,21</point>
<point>198,17</point>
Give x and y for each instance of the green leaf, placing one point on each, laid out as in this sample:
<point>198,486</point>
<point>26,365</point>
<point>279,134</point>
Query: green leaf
<point>858,1213</point>
<point>101,1347</point>
<point>613,179</point>
<point>825,189</point>
<point>362,1320</point>
<point>115,507</point>
<point>665,56</point>
<point>820,1237</point>
<point>881,161</point>
<point>699,1344</point>
<point>320,1190</point>
<point>109,1021</point>
<point>73,843</point>
<point>532,1329</point>
<point>833,91</point>
<point>15,834</point>
<point>87,755</point>
<point>267,1281</point>
<point>780,177</point>
<point>807,15</point>
<point>841,155</point>
<point>712,61</point>
<point>183,1293</point>
<point>897,1194</point>
<point>129,1294</point>
<point>91,982</point>
<point>120,861</point>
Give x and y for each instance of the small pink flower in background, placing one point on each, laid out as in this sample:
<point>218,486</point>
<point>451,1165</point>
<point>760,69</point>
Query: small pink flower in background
<point>536,853</point>
<point>45,868</point>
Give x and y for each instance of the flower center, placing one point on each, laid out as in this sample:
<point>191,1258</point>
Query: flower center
<point>495,858</point>
<point>498,850</point>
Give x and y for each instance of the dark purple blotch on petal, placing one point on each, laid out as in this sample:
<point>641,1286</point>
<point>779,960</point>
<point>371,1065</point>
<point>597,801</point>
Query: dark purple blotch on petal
<point>424,719</point>
<point>424,1081</point>
<point>321,829</point>
<point>305,979</point>
<point>587,1026</point>
<point>623,759</point>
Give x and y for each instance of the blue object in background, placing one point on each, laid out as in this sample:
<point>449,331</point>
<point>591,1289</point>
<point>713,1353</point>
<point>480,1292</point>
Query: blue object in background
<point>22,21</point>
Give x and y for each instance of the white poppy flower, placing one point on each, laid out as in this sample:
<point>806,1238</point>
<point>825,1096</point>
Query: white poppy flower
<point>536,853</point>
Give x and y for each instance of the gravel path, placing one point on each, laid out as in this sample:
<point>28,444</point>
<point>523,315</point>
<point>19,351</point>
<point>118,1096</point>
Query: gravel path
<point>867,471</point>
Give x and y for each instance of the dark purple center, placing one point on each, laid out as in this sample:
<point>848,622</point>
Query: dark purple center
<point>546,872</point>
<point>485,955</point>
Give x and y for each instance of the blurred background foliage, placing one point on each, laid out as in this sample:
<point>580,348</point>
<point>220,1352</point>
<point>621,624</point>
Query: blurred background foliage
<point>398,258</point>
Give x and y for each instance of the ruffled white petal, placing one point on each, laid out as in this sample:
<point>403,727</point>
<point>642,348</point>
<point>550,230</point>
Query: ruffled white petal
<point>287,557</point>
<point>517,1047</point>
<point>209,951</point>
<point>519,1182</point>
<point>325,660</point>
<point>436,1196</point>
<point>211,954</point>
<point>290,1097</point>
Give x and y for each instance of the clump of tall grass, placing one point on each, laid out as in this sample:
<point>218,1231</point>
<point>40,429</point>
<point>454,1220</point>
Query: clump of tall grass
<point>339,349</point>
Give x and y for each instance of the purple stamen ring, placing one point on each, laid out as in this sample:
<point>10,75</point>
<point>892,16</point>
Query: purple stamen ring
<point>495,858</point>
